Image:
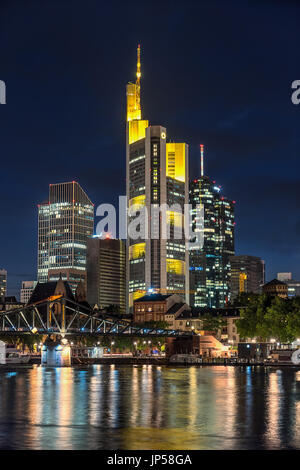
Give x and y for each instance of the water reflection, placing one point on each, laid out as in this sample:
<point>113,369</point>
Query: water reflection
<point>149,407</point>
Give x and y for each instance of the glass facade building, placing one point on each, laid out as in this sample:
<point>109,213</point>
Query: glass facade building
<point>209,265</point>
<point>247,274</point>
<point>64,224</point>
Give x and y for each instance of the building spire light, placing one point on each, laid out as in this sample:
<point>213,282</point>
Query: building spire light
<point>138,65</point>
<point>202,159</point>
<point>138,78</point>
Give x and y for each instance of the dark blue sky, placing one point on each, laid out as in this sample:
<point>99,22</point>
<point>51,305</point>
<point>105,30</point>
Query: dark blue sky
<point>217,73</point>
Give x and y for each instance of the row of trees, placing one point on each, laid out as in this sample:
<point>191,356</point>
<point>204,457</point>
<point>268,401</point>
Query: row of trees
<point>23,341</point>
<point>264,317</point>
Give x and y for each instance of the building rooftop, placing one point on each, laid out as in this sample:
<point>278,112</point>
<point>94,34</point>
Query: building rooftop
<point>198,312</point>
<point>43,290</point>
<point>175,308</point>
<point>153,297</point>
<point>275,282</point>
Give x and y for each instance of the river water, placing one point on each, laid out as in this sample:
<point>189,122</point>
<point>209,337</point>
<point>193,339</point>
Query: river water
<point>150,407</point>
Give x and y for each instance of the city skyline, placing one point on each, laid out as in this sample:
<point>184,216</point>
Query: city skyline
<point>77,129</point>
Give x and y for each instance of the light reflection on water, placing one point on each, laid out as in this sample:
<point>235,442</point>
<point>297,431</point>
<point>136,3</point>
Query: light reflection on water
<point>149,407</point>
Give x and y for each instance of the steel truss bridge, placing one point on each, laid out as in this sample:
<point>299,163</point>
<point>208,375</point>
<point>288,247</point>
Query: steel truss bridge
<point>65,317</point>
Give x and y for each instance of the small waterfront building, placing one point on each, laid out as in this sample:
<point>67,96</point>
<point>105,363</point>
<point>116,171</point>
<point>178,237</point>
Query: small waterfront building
<point>255,351</point>
<point>158,307</point>
<point>93,352</point>
<point>193,319</point>
<point>207,346</point>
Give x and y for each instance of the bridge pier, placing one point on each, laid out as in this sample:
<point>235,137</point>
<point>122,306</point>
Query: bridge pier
<point>56,353</point>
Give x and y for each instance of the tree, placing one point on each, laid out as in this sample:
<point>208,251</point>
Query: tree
<point>243,299</point>
<point>251,323</point>
<point>266,317</point>
<point>276,320</point>
<point>114,309</point>
<point>212,322</point>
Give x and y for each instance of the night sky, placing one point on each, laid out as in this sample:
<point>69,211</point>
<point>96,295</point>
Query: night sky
<point>217,73</point>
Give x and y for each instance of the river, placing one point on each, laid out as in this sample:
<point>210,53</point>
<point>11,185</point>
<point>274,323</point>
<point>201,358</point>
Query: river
<point>150,407</point>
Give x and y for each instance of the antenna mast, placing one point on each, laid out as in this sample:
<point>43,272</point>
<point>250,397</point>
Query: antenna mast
<point>138,78</point>
<point>202,159</point>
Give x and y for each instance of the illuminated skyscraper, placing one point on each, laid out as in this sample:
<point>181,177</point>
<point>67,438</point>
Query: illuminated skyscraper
<point>65,223</point>
<point>3,282</point>
<point>210,266</point>
<point>247,274</point>
<point>156,174</point>
<point>106,272</point>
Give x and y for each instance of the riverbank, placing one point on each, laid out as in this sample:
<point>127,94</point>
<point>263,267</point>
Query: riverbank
<point>156,361</point>
<point>164,361</point>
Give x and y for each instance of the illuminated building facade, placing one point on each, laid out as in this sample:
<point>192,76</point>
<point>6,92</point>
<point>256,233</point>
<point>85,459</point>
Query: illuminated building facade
<point>106,273</point>
<point>156,174</point>
<point>276,288</point>
<point>65,222</point>
<point>247,274</point>
<point>293,285</point>
<point>3,283</point>
<point>26,291</point>
<point>209,265</point>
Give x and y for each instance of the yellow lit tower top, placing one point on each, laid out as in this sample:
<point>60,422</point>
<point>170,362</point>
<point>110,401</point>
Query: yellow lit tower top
<point>138,78</point>
<point>137,126</point>
<point>134,92</point>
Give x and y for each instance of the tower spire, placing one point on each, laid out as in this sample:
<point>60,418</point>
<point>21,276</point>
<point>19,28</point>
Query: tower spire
<point>138,65</point>
<point>138,78</point>
<point>202,159</point>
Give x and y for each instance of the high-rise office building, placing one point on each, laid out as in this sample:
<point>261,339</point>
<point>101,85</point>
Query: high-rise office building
<point>106,273</point>
<point>26,291</point>
<point>247,274</point>
<point>3,283</point>
<point>156,174</point>
<point>65,223</point>
<point>209,265</point>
